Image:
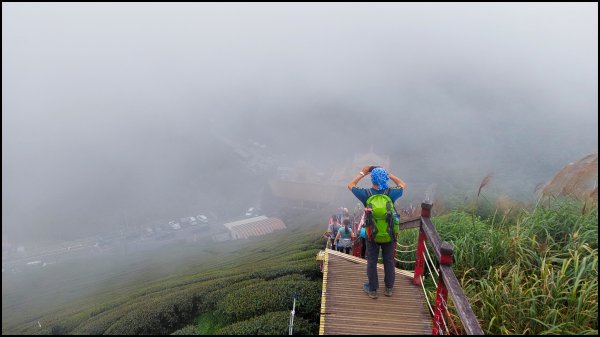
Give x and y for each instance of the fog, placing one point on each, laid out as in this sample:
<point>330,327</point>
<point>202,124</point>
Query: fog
<point>120,114</point>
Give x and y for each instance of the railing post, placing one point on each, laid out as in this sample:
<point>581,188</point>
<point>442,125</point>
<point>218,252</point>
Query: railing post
<point>446,251</point>
<point>356,246</point>
<point>441,293</point>
<point>420,257</point>
<point>441,296</point>
<point>426,209</point>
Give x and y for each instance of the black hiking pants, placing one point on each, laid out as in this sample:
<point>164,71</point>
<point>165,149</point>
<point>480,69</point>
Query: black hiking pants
<point>388,264</point>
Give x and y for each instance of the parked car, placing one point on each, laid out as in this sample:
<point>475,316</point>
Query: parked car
<point>148,232</point>
<point>188,221</point>
<point>202,218</point>
<point>174,225</point>
<point>252,211</point>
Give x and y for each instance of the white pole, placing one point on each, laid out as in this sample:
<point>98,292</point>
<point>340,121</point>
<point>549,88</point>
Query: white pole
<point>292,316</point>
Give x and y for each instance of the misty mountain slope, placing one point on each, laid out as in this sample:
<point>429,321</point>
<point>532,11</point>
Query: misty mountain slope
<point>199,281</point>
<point>164,174</point>
<point>502,258</point>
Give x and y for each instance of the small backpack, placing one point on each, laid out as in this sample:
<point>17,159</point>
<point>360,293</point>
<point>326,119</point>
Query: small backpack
<point>363,233</point>
<point>381,219</point>
<point>335,228</point>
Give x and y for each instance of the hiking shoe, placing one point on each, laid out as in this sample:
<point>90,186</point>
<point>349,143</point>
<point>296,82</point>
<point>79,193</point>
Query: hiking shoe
<point>388,292</point>
<point>372,294</point>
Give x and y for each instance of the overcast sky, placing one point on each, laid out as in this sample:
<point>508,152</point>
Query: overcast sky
<point>108,109</point>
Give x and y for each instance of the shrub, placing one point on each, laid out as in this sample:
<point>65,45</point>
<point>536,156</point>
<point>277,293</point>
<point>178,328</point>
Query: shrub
<point>186,330</point>
<point>273,323</point>
<point>268,296</point>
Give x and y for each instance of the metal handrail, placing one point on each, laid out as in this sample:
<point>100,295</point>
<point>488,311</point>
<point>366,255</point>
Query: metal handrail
<point>443,251</point>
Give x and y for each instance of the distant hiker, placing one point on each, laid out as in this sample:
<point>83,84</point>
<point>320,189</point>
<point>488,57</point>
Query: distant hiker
<point>344,237</point>
<point>345,216</point>
<point>362,236</point>
<point>329,232</point>
<point>381,224</point>
<point>363,242</point>
<point>332,230</point>
<point>342,214</point>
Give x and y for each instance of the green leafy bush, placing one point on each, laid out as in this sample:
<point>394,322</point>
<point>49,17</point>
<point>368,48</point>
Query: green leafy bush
<point>272,323</point>
<point>269,296</point>
<point>186,330</point>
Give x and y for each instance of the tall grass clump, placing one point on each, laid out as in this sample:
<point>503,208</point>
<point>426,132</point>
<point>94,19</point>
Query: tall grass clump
<point>529,269</point>
<point>479,244</point>
<point>537,275</point>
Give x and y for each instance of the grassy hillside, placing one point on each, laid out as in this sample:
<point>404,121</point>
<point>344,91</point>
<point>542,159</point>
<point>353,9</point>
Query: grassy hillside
<point>248,285</point>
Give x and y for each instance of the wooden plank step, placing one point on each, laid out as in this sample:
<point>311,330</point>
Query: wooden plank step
<point>346,309</point>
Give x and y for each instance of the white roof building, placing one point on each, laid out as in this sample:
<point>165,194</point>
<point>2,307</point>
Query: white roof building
<point>256,226</point>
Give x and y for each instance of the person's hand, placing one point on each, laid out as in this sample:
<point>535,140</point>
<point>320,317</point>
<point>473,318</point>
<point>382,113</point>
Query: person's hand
<point>366,170</point>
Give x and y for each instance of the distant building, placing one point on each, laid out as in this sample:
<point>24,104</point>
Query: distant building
<point>256,226</point>
<point>305,187</point>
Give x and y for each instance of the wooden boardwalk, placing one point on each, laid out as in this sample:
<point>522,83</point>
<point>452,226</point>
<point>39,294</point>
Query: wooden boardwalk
<point>347,310</point>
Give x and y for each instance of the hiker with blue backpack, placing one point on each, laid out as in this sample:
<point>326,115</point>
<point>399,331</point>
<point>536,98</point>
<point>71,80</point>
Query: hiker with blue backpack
<point>362,234</point>
<point>332,231</point>
<point>381,224</point>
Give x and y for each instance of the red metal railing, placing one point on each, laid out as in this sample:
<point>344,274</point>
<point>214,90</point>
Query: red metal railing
<point>447,283</point>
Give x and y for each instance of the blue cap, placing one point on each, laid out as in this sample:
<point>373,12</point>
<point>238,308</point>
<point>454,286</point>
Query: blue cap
<point>379,177</point>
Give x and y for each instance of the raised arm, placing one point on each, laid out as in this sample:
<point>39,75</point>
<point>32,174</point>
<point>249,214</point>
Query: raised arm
<point>363,172</point>
<point>397,180</point>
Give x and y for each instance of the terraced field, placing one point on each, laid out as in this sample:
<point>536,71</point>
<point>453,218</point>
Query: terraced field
<point>246,284</point>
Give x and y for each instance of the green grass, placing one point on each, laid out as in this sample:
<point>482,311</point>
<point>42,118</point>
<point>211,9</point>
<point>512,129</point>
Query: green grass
<point>534,274</point>
<point>272,323</point>
<point>208,323</point>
